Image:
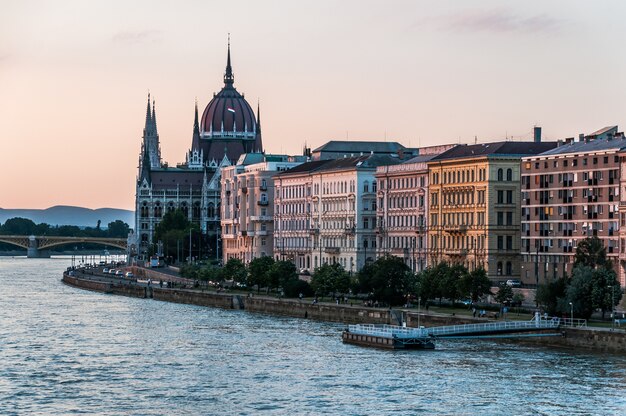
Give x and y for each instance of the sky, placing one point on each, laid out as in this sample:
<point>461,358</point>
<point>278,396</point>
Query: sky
<point>74,77</point>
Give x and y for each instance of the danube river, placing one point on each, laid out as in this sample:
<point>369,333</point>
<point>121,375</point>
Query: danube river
<point>65,351</point>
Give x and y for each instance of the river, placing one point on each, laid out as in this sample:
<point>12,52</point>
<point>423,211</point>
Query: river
<point>67,351</point>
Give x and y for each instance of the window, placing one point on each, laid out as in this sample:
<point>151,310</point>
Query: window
<point>509,268</point>
<point>509,197</point>
<point>509,174</point>
<point>500,242</point>
<point>366,186</point>
<point>509,242</point>
<point>500,216</point>
<point>509,218</point>
<point>500,175</point>
<point>366,223</point>
<point>499,268</point>
<point>500,197</point>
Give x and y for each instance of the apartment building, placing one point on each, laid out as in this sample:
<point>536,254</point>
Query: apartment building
<point>247,209</point>
<point>325,212</point>
<point>570,193</point>
<point>474,206</point>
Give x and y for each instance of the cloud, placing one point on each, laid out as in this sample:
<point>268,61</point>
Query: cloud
<point>496,21</point>
<point>134,37</point>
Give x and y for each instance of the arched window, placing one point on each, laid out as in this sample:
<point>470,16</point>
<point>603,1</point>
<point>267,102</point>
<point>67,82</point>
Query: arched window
<point>499,269</point>
<point>366,186</point>
<point>500,175</point>
<point>210,210</point>
<point>509,268</point>
<point>509,174</point>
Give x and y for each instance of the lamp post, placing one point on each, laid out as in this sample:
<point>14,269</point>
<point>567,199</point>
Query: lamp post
<point>571,306</point>
<point>612,300</point>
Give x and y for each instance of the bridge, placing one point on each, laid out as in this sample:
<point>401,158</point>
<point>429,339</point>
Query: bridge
<point>35,246</point>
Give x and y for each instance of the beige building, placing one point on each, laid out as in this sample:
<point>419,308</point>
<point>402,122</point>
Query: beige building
<point>474,206</point>
<point>247,217</point>
<point>568,194</point>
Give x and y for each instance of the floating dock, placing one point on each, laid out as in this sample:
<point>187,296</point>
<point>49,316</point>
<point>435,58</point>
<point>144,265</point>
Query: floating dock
<point>388,336</point>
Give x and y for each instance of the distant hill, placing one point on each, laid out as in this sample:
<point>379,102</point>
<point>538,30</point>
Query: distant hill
<point>66,215</point>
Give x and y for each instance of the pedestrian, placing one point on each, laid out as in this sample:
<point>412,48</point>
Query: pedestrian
<point>474,312</point>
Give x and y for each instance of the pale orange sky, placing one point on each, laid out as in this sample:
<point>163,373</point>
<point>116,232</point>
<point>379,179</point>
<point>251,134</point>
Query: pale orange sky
<point>74,77</point>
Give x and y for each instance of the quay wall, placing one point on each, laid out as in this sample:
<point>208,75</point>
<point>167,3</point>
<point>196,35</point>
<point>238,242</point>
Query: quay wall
<point>596,340</point>
<point>321,312</point>
<point>218,300</point>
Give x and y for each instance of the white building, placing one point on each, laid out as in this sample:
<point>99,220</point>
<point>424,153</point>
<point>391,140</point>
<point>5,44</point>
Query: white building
<point>325,212</point>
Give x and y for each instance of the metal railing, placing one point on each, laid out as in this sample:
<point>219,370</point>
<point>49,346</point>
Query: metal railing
<point>503,326</point>
<point>388,331</point>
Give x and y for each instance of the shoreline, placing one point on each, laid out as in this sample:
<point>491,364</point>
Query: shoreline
<point>588,339</point>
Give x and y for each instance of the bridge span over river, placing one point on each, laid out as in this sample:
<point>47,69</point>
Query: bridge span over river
<point>37,246</point>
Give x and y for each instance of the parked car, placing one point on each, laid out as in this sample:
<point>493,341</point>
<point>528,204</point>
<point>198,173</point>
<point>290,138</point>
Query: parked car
<point>119,273</point>
<point>105,270</point>
<point>129,275</point>
<point>514,283</point>
<point>112,271</point>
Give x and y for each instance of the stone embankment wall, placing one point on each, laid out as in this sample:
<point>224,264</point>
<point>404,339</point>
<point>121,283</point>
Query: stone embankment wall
<point>598,340</point>
<point>105,287</point>
<point>321,312</point>
<point>194,297</point>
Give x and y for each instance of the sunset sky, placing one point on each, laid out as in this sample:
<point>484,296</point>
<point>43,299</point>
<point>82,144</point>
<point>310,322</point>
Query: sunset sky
<point>74,76</point>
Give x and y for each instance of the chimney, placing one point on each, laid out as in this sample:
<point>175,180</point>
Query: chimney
<point>537,134</point>
<point>581,137</point>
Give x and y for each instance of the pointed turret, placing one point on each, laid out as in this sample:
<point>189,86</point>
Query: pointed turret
<point>154,123</point>
<point>258,116</point>
<point>229,78</point>
<point>148,124</point>
<point>195,140</point>
<point>150,148</point>
<point>258,142</point>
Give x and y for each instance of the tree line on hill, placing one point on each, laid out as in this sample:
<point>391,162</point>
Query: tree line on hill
<point>24,226</point>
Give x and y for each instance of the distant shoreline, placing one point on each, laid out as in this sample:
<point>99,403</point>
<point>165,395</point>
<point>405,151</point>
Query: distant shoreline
<point>22,253</point>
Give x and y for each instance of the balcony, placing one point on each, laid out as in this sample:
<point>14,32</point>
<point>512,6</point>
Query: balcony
<point>380,229</point>
<point>349,230</point>
<point>314,231</point>
<point>263,188</point>
<point>331,250</point>
<point>260,233</point>
<point>263,203</point>
<point>244,189</point>
<point>261,218</point>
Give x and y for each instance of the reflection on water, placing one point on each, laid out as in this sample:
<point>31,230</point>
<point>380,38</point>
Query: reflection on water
<point>64,350</point>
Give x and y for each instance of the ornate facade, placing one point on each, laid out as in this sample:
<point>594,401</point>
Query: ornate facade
<point>227,129</point>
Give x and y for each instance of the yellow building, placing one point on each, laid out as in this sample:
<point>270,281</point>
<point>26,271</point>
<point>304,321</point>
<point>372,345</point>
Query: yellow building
<point>474,206</point>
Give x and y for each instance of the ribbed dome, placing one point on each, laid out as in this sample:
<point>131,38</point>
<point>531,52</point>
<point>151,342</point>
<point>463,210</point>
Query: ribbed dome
<point>229,112</point>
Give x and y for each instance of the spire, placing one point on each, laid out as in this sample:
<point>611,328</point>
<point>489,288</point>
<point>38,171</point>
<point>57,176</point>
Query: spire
<point>154,125</point>
<point>195,138</point>
<point>148,117</point>
<point>258,116</point>
<point>229,79</point>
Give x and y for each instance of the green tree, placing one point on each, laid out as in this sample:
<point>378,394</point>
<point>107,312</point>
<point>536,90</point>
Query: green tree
<point>428,285</point>
<point>590,252</point>
<point>604,290</point>
<point>330,279</point>
<point>257,272</point>
<point>235,270</point>
<point>475,284</point>
<point>579,292</point>
<point>280,273</point>
<point>211,274</point>
<point>551,294</point>
<point>293,288</point>
<point>389,279</point>
<point>173,232</point>
<point>450,283</point>
<point>504,295</point>
<point>117,229</point>
<point>18,226</point>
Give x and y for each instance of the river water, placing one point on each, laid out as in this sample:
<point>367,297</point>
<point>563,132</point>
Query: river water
<point>67,351</point>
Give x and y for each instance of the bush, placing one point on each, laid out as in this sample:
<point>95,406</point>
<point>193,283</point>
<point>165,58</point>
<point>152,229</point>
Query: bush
<point>294,287</point>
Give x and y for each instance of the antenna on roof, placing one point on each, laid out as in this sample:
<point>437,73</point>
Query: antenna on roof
<point>475,139</point>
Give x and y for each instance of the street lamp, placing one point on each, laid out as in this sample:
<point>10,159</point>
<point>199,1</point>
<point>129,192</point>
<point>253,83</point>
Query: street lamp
<point>612,314</point>
<point>571,306</point>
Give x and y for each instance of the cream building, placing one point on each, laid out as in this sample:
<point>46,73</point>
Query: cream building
<point>247,217</point>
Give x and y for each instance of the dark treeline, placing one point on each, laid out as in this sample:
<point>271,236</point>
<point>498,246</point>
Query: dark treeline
<point>24,226</point>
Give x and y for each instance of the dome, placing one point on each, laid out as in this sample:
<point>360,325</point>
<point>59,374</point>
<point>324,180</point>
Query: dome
<point>228,112</point>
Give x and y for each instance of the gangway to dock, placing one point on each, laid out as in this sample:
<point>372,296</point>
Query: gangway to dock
<point>493,328</point>
<point>397,337</point>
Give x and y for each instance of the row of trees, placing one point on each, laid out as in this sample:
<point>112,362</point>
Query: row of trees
<point>24,226</point>
<point>592,286</point>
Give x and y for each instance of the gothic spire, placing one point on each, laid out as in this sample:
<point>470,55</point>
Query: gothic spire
<point>148,117</point>
<point>195,139</point>
<point>154,124</point>
<point>258,116</point>
<point>229,79</point>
